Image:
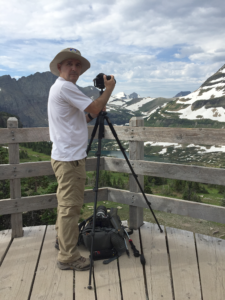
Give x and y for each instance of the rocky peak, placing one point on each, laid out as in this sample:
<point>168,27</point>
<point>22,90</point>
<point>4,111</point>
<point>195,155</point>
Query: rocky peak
<point>134,95</point>
<point>181,94</point>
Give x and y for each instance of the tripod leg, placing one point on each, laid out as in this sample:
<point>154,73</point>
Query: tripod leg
<point>93,134</point>
<point>98,154</point>
<point>132,170</point>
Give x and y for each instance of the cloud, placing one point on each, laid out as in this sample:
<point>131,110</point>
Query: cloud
<point>188,51</point>
<point>147,44</point>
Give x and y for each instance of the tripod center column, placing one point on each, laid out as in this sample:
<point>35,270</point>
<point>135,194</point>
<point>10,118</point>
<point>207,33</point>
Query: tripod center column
<point>136,152</point>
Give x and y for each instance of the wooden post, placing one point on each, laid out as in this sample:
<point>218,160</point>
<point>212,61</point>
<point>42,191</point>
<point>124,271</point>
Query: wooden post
<point>15,186</point>
<point>136,153</point>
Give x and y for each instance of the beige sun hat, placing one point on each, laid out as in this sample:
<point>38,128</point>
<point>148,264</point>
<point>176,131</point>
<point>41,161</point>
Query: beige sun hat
<point>65,54</point>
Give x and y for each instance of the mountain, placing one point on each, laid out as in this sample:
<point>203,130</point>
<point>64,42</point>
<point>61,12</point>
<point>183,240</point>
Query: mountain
<point>27,97</point>
<point>205,107</point>
<point>134,96</point>
<point>139,106</point>
<point>182,94</point>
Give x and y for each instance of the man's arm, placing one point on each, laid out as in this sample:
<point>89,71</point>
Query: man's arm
<point>97,105</point>
<point>93,116</point>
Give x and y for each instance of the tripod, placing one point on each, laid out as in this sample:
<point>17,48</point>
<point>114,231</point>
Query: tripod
<point>100,123</point>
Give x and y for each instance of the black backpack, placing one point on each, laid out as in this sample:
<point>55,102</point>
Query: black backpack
<point>109,238</point>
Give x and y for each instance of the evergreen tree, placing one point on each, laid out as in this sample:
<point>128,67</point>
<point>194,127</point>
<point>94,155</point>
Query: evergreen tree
<point>23,154</point>
<point>221,189</point>
<point>33,183</point>
<point>120,183</point>
<point>3,155</point>
<point>223,200</point>
<point>114,183</point>
<point>190,192</point>
<point>52,188</point>
<point>4,189</point>
<point>179,185</point>
<point>108,179</point>
<point>148,189</point>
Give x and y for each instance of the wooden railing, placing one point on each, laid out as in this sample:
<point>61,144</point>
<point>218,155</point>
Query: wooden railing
<point>136,134</point>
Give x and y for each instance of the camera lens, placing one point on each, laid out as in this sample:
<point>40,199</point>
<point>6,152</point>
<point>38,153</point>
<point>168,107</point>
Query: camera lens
<point>101,211</point>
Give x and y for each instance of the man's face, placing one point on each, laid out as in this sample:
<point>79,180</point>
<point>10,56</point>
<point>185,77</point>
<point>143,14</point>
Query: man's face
<point>70,69</point>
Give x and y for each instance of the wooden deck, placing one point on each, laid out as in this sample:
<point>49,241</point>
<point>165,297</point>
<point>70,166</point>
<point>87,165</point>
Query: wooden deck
<point>179,265</point>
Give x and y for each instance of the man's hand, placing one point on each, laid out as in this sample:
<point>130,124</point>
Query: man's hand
<point>109,84</point>
<point>100,103</point>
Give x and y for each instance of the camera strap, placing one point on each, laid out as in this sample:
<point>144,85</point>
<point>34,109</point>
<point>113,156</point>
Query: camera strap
<point>107,261</point>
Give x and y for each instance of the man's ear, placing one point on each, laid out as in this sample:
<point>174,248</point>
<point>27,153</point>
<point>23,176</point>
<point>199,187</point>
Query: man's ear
<point>59,67</point>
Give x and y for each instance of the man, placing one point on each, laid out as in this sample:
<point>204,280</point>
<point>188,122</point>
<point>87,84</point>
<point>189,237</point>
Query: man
<point>69,134</point>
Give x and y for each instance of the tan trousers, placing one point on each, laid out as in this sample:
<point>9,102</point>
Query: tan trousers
<point>71,178</point>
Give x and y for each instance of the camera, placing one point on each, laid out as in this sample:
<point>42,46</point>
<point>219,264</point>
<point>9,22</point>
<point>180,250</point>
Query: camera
<point>99,81</point>
<point>102,217</point>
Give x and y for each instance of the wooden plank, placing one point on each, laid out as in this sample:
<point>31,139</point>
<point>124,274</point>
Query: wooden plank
<point>136,152</point>
<point>141,167</point>
<point>157,262</point>
<point>25,170</point>
<point>203,136</point>
<point>167,170</point>
<point>15,186</point>
<point>107,280</point>
<point>184,266</point>
<point>211,257</point>
<point>24,204</point>
<point>50,282</point>
<point>131,272</point>
<point>18,267</point>
<point>170,205</point>
<point>41,168</point>
<point>82,280</point>
<point>24,135</point>
<point>5,239</point>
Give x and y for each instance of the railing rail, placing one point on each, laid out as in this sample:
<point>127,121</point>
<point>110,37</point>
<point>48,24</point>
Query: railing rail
<point>14,171</point>
<point>197,136</point>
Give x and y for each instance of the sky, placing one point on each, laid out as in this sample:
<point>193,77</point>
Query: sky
<point>155,48</point>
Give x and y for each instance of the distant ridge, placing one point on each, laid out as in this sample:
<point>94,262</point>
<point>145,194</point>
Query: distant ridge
<point>181,94</point>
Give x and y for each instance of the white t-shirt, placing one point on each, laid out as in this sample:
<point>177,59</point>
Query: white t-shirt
<point>67,121</point>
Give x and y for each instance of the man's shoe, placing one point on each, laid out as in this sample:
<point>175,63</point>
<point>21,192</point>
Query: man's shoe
<point>81,264</point>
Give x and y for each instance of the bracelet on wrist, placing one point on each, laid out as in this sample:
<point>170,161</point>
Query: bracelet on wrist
<point>90,117</point>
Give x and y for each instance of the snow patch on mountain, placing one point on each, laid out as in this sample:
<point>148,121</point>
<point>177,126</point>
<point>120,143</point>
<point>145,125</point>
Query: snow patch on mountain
<point>139,104</point>
<point>201,149</point>
<point>123,96</point>
<point>200,94</point>
<point>154,110</point>
<point>215,113</point>
<point>126,101</point>
<point>219,79</point>
<point>219,84</point>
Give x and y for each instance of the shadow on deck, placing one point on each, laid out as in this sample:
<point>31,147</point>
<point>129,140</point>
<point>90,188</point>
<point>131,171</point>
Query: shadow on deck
<point>179,265</point>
